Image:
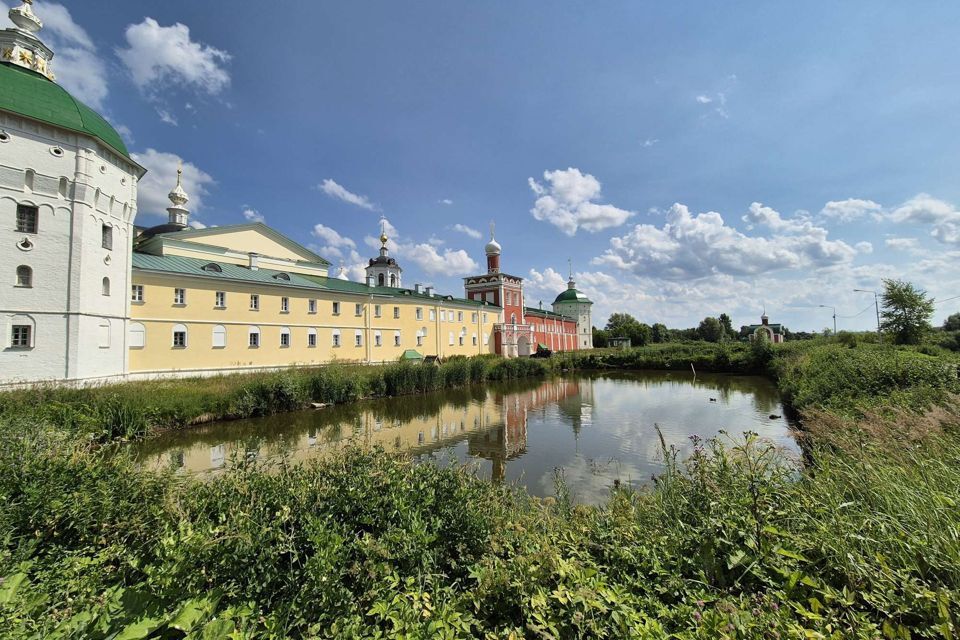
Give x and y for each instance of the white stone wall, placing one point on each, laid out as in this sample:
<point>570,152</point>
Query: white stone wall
<point>582,311</point>
<point>78,185</point>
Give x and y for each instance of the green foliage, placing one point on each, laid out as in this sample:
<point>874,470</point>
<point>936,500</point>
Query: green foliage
<point>711,330</point>
<point>137,409</point>
<point>952,323</point>
<point>905,311</point>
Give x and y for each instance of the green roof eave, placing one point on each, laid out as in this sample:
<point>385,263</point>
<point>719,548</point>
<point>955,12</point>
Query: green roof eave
<point>33,96</point>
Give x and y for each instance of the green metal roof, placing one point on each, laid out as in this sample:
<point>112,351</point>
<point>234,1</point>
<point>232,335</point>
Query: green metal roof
<point>349,286</point>
<point>534,311</point>
<point>31,95</point>
<point>572,295</point>
<point>194,267</point>
<point>411,354</point>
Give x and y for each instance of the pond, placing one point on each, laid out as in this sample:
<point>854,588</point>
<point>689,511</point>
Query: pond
<point>592,429</point>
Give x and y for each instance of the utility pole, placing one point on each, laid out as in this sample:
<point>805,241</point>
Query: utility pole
<point>827,306</point>
<point>876,302</point>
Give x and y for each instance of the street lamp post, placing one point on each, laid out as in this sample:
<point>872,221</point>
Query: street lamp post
<point>876,302</point>
<point>827,306</point>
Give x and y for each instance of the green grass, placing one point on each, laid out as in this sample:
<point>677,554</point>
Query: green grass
<point>734,542</point>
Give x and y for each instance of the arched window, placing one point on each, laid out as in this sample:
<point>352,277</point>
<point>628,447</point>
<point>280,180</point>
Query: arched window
<point>138,336</point>
<point>219,336</point>
<point>513,318</point>
<point>284,336</point>
<point>336,337</point>
<point>282,276</point>
<point>380,280</point>
<point>213,267</point>
<point>105,286</point>
<point>253,337</point>
<point>24,276</point>
<point>377,338</point>
<point>311,337</point>
<point>179,336</point>
<point>393,279</point>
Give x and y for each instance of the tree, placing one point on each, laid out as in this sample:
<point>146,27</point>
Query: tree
<point>601,338</point>
<point>710,330</point>
<point>620,324</point>
<point>659,332</point>
<point>906,311</point>
<point>952,323</point>
<point>727,325</point>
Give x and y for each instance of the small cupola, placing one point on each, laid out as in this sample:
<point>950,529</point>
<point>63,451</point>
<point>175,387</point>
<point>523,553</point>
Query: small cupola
<point>20,45</point>
<point>178,212</point>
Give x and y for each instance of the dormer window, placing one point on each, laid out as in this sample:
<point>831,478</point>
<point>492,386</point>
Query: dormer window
<point>213,267</point>
<point>282,276</point>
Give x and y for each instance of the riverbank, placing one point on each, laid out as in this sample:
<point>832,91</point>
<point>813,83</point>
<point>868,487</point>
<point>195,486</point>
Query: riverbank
<point>729,543</point>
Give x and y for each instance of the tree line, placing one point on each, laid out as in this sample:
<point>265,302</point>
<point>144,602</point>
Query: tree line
<point>905,315</point>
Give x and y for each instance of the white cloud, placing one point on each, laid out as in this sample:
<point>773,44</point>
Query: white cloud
<point>697,246</point>
<point>702,99</point>
<point>850,209</point>
<point>162,176</point>
<point>864,247</point>
<point>446,201</point>
<point>649,142</point>
<point>567,202</point>
<point>252,215</point>
<point>158,57</point>
<point>167,118</point>
<point>903,244</point>
<point>334,190</point>
<point>332,238</point>
<point>925,209</point>
<point>470,231</point>
<point>451,262</point>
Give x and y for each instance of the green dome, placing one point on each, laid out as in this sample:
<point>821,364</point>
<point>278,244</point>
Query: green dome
<point>31,95</point>
<point>572,295</point>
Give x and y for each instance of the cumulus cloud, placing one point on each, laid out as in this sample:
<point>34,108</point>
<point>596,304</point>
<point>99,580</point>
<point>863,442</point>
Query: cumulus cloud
<point>451,262</point>
<point>546,281</point>
<point>334,244</point>
<point>864,247</point>
<point>850,209</point>
<point>162,176</point>
<point>567,201</point>
<point>903,244</point>
<point>339,192</point>
<point>470,231</point>
<point>158,57</point>
<point>696,246</point>
<point>252,215</point>
<point>925,209</point>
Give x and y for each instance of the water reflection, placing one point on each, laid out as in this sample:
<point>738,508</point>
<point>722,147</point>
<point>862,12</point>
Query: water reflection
<point>594,428</point>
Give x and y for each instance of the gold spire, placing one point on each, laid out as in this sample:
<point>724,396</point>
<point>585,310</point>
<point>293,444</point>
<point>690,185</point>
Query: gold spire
<point>383,231</point>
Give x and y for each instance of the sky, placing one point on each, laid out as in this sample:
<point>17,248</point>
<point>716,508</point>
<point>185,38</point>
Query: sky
<point>688,159</point>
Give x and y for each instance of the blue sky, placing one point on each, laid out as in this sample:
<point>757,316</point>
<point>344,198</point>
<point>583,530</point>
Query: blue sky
<point>690,158</point>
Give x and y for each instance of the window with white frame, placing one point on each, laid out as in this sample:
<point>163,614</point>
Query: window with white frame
<point>220,299</point>
<point>396,313</point>
<point>284,337</point>
<point>433,315</point>
<point>284,305</point>
<point>358,338</point>
<point>21,336</point>
<point>311,306</point>
<point>311,337</point>
<point>253,337</point>
<point>336,308</point>
<point>451,338</point>
<point>137,335</point>
<point>459,316</point>
<point>377,339</point>
<point>106,237</point>
<point>136,293</point>
<point>473,317</point>
<point>484,316</point>
<point>254,303</point>
<point>486,339</point>
<point>179,336</point>
<point>179,296</point>
<point>443,316</point>
<point>376,311</point>
<point>24,276</point>
<point>420,335</point>
<point>27,216</point>
<point>419,313</point>
<point>463,337</point>
<point>396,338</point>
<point>474,339</point>
<point>358,310</point>
<point>219,336</point>
<point>336,337</point>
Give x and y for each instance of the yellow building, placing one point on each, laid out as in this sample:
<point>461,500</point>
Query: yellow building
<point>245,297</point>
